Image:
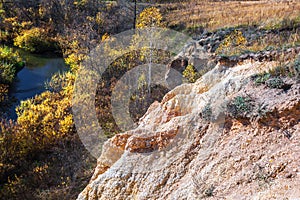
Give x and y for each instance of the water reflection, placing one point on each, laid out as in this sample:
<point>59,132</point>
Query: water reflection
<point>30,81</point>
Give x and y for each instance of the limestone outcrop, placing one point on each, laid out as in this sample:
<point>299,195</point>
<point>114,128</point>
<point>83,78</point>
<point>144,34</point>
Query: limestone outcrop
<point>189,145</point>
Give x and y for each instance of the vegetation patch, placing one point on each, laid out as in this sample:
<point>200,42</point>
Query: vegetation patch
<point>240,107</point>
<point>285,23</point>
<point>234,43</point>
<point>149,17</point>
<point>191,74</point>
<point>261,78</point>
<point>7,73</point>
<point>276,82</point>
<point>271,81</point>
<point>10,64</point>
<point>4,99</point>
<point>213,15</point>
<point>35,40</point>
<point>274,78</point>
<point>11,57</point>
<point>297,67</point>
<point>41,150</point>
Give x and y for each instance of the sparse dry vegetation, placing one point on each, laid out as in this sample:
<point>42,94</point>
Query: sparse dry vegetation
<point>218,14</point>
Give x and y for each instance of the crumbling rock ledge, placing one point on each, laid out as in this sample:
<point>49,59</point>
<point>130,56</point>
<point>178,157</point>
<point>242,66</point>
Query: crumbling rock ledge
<point>175,153</point>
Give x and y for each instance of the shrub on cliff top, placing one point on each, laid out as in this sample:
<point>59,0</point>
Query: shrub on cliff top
<point>234,43</point>
<point>274,78</point>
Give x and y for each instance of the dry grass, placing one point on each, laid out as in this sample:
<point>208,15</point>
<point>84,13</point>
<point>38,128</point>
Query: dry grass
<point>270,41</point>
<point>214,15</point>
<point>288,40</point>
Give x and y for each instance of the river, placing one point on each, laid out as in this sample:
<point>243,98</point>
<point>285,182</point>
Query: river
<point>30,81</point>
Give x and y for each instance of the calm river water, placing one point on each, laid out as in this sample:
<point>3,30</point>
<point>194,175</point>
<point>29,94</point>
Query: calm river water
<point>31,80</point>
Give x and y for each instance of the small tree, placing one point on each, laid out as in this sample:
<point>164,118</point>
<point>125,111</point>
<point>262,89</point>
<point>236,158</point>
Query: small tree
<point>149,17</point>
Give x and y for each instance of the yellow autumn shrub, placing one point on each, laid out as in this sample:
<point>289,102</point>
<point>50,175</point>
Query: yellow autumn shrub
<point>191,74</point>
<point>149,17</point>
<point>35,40</point>
<point>40,148</point>
<point>234,43</point>
<point>47,117</point>
<point>74,60</point>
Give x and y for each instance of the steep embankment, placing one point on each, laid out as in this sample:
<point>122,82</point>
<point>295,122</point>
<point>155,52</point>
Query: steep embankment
<point>227,135</point>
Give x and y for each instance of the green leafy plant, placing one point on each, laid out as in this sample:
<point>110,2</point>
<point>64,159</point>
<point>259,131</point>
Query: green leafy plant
<point>268,80</point>
<point>276,82</point>
<point>261,78</point>
<point>274,77</point>
<point>240,107</point>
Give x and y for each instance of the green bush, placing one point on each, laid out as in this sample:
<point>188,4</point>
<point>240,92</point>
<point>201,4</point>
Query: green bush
<point>276,82</point>
<point>35,40</point>
<point>209,192</point>
<point>273,78</point>
<point>261,78</point>
<point>240,107</point>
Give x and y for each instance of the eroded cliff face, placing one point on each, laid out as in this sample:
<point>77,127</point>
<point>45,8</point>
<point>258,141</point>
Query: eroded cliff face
<point>182,150</point>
